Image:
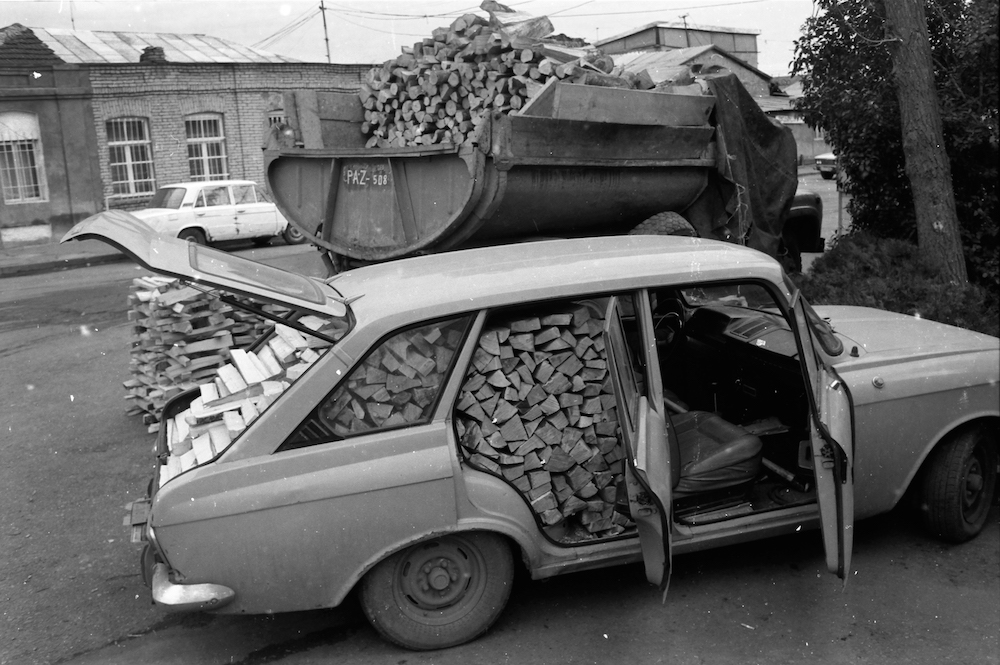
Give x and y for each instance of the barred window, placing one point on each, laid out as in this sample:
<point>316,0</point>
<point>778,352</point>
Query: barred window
<point>206,147</point>
<point>130,156</point>
<point>22,176</point>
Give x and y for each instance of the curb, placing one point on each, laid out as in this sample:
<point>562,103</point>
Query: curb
<point>59,265</point>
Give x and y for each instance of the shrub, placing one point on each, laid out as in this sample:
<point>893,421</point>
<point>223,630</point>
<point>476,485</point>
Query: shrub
<point>889,274</point>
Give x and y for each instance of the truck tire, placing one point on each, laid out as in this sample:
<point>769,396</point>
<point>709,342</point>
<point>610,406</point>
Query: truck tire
<point>441,592</point>
<point>664,224</point>
<point>957,487</point>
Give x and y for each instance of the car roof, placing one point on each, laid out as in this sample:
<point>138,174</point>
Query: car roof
<point>201,183</point>
<point>450,282</point>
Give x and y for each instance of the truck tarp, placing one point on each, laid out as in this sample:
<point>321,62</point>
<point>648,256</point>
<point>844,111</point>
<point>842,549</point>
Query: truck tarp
<point>755,175</point>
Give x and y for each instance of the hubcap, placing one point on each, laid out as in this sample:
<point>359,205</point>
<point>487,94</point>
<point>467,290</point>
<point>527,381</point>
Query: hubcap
<point>973,483</point>
<point>440,580</point>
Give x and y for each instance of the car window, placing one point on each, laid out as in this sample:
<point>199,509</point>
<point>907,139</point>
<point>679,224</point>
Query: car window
<point>243,194</point>
<point>396,385</point>
<point>213,196</point>
<point>168,197</point>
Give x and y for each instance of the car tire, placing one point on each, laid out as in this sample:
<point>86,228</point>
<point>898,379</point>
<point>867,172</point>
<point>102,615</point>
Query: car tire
<point>196,236</point>
<point>826,175</point>
<point>958,484</point>
<point>293,236</point>
<point>441,592</point>
<point>664,224</point>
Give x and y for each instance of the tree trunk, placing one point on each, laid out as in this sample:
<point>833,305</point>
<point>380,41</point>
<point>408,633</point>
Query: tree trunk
<point>927,165</point>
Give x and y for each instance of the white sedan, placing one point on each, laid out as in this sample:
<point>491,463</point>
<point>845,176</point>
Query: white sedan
<point>205,212</point>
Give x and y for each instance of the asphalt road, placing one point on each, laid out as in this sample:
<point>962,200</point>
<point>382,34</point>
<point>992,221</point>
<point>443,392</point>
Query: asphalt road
<point>71,591</point>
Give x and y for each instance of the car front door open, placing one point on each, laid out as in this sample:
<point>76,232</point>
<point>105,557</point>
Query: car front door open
<point>832,435</point>
<point>643,431</point>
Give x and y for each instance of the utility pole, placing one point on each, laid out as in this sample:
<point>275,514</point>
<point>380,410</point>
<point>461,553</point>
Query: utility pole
<point>326,36</point>
<point>687,37</point>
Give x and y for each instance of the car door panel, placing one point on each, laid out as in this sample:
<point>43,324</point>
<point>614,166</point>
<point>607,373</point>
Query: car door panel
<point>647,470</point>
<point>832,439</point>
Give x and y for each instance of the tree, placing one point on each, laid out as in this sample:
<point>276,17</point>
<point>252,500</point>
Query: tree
<point>846,58</point>
<point>927,165</point>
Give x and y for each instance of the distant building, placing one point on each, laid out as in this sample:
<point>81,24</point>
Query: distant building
<point>667,36</point>
<point>666,49</point>
<point>91,120</point>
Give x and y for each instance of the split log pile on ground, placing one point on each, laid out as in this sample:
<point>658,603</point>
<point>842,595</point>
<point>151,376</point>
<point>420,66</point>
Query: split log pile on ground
<point>537,408</point>
<point>238,390</point>
<point>182,336</point>
<point>439,90</point>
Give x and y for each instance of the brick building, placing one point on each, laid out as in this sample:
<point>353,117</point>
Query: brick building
<point>155,109</point>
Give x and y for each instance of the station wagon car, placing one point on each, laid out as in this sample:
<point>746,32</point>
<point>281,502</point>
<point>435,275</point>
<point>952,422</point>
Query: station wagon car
<point>408,430</point>
<point>214,210</point>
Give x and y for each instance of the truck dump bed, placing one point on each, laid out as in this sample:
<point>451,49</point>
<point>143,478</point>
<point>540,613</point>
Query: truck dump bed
<point>579,160</point>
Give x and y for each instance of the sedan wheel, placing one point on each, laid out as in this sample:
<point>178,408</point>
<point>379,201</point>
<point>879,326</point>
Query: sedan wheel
<point>293,236</point>
<point>192,235</point>
<point>441,592</point>
<point>958,486</point>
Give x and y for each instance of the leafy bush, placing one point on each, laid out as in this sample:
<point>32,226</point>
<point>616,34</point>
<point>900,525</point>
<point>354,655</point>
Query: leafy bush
<point>889,274</point>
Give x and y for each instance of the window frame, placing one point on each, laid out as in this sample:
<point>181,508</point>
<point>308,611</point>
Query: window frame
<point>20,138</point>
<point>117,135</point>
<point>199,146</point>
<point>465,322</point>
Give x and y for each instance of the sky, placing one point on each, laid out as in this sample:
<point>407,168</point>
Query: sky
<point>371,31</point>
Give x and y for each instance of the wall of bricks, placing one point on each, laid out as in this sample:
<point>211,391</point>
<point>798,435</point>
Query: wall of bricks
<point>165,93</point>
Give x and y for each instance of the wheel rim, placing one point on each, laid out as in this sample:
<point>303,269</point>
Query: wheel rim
<point>973,500</point>
<point>294,235</point>
<point>440,581</point>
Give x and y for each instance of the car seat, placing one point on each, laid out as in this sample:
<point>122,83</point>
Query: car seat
<point>713,453</point>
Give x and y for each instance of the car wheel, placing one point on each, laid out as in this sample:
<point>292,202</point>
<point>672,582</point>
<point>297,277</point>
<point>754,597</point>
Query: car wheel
<point>441,592</point>
<point>192,235</point>
<point>826,175</point>
<point>293,236</point>
<point>665,224</point>
<point>957,487</point>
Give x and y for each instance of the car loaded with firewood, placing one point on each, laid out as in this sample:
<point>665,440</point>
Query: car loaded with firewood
<point>414,430</point>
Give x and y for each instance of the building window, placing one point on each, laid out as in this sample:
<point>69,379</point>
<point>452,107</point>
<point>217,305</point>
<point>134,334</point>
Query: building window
<point>130,156</point>
<point>206,147</point>
<point>22,175</point>
<point>276,117</point>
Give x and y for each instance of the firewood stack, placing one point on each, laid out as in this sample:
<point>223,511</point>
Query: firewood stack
<point>397,384</point>
<point>182,335</point>
<point>439,90</point>
<point>537,408</point>
<point>238,390</point>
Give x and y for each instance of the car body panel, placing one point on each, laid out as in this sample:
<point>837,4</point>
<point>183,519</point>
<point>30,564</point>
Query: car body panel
<point>297,529</point>
<point>203,265</point>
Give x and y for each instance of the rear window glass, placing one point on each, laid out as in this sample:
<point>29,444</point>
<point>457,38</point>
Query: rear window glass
<point>220,264</point>
<point>167,197</point>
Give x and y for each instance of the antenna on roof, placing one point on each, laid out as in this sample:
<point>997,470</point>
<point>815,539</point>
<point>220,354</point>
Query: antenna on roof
<point>687,37</point>
<point>326,37</point>
<point>72,18</point>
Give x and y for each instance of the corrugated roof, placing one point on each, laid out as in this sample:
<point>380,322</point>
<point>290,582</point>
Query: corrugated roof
<point>636,61</point>
<point>103,47</point>
<point>680,25</point>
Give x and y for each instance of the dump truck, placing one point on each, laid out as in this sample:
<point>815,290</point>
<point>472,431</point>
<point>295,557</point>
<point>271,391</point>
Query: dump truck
<point>578,160</point>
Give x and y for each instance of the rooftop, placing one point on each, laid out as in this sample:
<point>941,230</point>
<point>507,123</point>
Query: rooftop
<point>107,47</point>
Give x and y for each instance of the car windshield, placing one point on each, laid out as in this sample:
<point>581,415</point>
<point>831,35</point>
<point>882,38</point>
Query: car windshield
<point>167,197</point>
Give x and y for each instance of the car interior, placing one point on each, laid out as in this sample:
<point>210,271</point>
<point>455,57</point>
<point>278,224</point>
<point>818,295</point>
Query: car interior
<point>736,402</point>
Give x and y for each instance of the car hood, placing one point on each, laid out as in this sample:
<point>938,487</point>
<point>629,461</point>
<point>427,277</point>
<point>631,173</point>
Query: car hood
<point>199,264</point>
<point>878,332</point>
